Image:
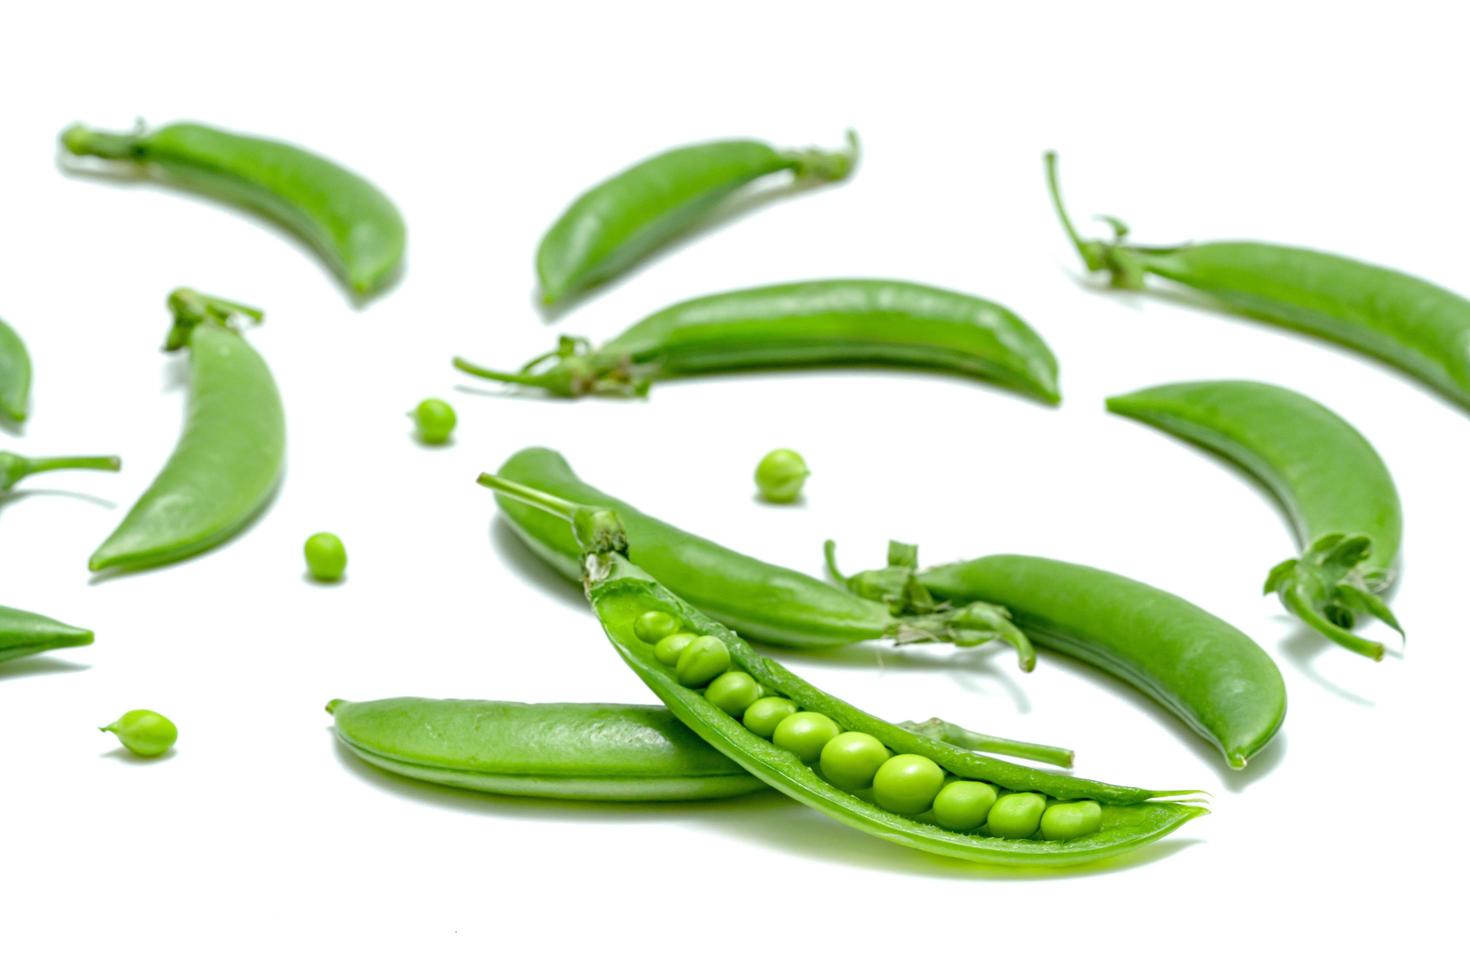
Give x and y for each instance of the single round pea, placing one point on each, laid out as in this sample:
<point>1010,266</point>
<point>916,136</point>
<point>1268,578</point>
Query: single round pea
<point>851,760</point>
<point>143,732</point>
<point>963,804</point>
<point>326,557</point>
<point>764,714</point>
<point>704,659</point>
<point>732,692</point>
<point>1016,815</point>
<point>907,784</point>
<point>780,475</point>
<point>1063,821</point>
<point>654,625</point>
<point>667,650</point>
<point>806,733</point>
<point>435,420</point>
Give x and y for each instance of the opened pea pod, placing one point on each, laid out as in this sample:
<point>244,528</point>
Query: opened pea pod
<point>878,777</point>
<point>1332,484</point>
<point>822,323</point>
<point>627,217</point>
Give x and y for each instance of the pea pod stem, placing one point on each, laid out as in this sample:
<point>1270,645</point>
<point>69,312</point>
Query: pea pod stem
<point>14,467</point>
<point>947,731</point>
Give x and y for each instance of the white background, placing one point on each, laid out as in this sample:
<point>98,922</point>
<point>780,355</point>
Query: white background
<point>258,845</point>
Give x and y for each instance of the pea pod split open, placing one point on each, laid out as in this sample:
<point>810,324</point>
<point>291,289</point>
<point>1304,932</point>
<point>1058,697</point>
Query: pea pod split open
<point>15,375</point>
<point>826,754</point>
<point>766,602</point>
<point>25,633</point>
<point>1414,325</point>
<point>347,220</point>
<point>828,322</point>
<point>882,779</point>
<point>228,459</point>
<point>1207,672</point>
<point>1330,481</point>
<point>622,220</point>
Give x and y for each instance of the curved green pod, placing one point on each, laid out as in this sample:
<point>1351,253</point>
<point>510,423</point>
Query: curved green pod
<point>1414,325</point>
<point>821,323</point>
<point>622,594</point>
<point>609,752</point>
<point>627,217</point>
<point>766,602</point>
<point>348,221</point>
<point>1208,673</point>
<point>229,458</point>
<point>24,633</point>
<point>15,375</point>
<point>1330,481</point>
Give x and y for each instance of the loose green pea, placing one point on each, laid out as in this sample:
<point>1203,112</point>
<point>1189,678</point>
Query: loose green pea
<point>1016,815</point>
<point>704,659</point>
<point>143,732</point>
<point>667,650</point>
<point>764,714</point>
<point>435,420</point>
<point>780,475</point>
<point>806,733</point>
<point>326,557</point>
<point>654,625</point>
<point>1063,821</point>
<point>851,760</point>
<point>907,784</point>
<point>732,692</point>
<point>963,804</point>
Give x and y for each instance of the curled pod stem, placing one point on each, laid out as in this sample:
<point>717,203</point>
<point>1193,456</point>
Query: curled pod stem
<point>820,323</point>
<point>621,221</point>
<point>229,457</point>
<point>15,375</point>
<point>25,633</point>
<point>348,221</point>
<point>622,594</point>
<point>1330,481</point>
<point>15,467</point>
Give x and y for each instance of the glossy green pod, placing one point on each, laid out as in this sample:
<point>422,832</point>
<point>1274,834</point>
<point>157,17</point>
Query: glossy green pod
<point>766,602</point>
<point>24,633</point>
<point>348,221</point>
<point>614,752</point>
<point>229,458</point>
<point>1414,325</point>
<point>627,217</point>
<point>822,323</point>
<point>1333,485</point>
<point>15,375</point>
<point>622,594</point>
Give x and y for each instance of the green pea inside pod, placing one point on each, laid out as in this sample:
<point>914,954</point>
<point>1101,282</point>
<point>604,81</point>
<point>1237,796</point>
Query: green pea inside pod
<point>1064,821</point>
<point>704,659</point>
<point>852,759</point>
<point>1016,815</point>
<point>907,784</point>
<point>764,714</point>
<point>654,625</point>
<point>667,650</point>
<point>805,733</point>
<point>733,691</point>
<point>963,804</point>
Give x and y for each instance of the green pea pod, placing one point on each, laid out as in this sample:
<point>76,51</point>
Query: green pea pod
<point>1414,325</point>
<point>347,220</point>
<point>24,633</point>
<point>227,461</point>
<point>622,594</point>
<point>1330,481</point>
<point>613,752</point>
<point>15,375</point>
<point>1207,672</point>
<point>822,323</point>
<point>629,216</point>
<point>766,602</point>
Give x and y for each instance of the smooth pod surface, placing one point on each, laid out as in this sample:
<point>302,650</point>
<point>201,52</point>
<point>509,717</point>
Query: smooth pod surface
<point>622,220</point>
<point>24,633</point>
<point>347,220</point>
<point>15,375</point>
<point>1207,672</point>
<point>829,322</point>
<point>613,752</point>
<point>224,467</point>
